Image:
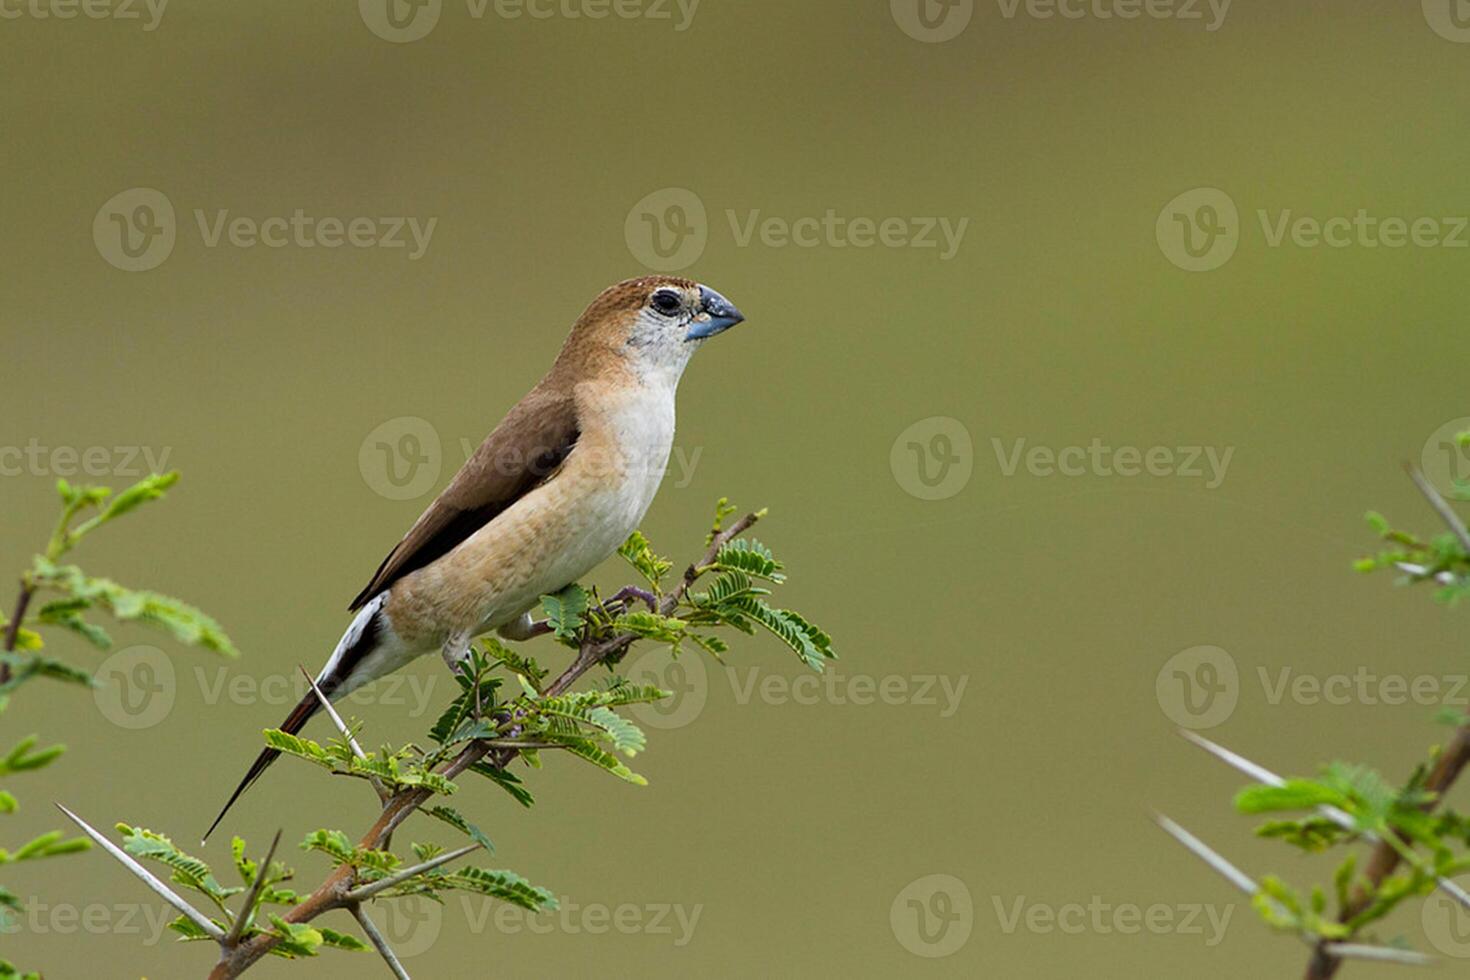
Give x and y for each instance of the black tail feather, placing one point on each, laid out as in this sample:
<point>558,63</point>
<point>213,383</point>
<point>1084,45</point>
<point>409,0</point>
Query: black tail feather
<point>294,722</point>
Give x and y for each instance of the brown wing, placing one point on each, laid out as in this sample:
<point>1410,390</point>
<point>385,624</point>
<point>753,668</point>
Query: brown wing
<point>525,448</point>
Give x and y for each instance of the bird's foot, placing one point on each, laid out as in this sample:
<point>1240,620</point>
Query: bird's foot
<point>456,653</point>
<point>627,594</point>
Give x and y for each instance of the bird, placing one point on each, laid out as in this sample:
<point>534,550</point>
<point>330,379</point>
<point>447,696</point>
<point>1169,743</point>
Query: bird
<point>559,484</point>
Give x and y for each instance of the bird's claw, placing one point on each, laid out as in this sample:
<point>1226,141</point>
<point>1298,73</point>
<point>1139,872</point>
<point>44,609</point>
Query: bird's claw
<point>628,593</point>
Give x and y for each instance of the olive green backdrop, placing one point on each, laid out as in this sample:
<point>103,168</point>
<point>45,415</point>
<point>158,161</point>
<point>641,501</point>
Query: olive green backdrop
<point>787,830</point>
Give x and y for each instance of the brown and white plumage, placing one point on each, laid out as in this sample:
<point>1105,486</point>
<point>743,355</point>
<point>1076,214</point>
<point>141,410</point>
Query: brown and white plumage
<point>564,478</point>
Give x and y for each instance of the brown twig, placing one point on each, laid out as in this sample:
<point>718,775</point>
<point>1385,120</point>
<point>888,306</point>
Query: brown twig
<point>262,871</point>
<point>334,893</point>
<point>12,630</point>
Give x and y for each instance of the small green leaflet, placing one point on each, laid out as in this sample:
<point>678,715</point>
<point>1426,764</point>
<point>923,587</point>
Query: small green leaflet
<point>637,552</point>
<point>456,820</point>
<point>566,612</point>
<point>187,869</point>
<point>751,557</point>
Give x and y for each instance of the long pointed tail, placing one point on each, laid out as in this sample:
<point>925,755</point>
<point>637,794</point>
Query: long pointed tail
<point>338,677</point>
<point>294,722</point>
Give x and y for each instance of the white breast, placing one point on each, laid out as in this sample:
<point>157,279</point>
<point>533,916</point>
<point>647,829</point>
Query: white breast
<point>608,484</point>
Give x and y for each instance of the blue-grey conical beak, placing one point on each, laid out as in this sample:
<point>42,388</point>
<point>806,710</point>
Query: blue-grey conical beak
<point>716,314</point>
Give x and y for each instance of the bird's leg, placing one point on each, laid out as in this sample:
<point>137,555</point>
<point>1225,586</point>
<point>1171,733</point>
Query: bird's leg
<point>524,628</point>
<point>628,593</point>
<point>456,653</point>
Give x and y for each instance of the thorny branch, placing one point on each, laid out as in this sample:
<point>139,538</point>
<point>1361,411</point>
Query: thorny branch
<point>1452,760</point>
<point>336,892</point>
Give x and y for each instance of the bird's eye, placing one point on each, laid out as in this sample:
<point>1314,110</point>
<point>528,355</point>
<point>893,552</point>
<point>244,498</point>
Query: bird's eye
<point>667,302</point>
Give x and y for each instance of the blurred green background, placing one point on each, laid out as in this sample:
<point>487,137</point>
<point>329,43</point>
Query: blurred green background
<point>797,833</point>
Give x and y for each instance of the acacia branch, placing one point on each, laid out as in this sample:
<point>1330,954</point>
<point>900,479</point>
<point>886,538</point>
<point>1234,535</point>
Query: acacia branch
<point>1386,855</point>
<point>1340,817</point>
<point>336,892</point>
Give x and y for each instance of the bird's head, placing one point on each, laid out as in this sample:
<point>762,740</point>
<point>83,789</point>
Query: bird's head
<point>654,324</point>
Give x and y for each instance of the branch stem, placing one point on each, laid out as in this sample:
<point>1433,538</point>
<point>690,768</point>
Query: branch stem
<point>379,942</point>
<point>367,891</point>
<point>242,920</point>
<point>12,630</point>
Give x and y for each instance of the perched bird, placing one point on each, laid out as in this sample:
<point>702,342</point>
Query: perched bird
<point>563,480</point>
